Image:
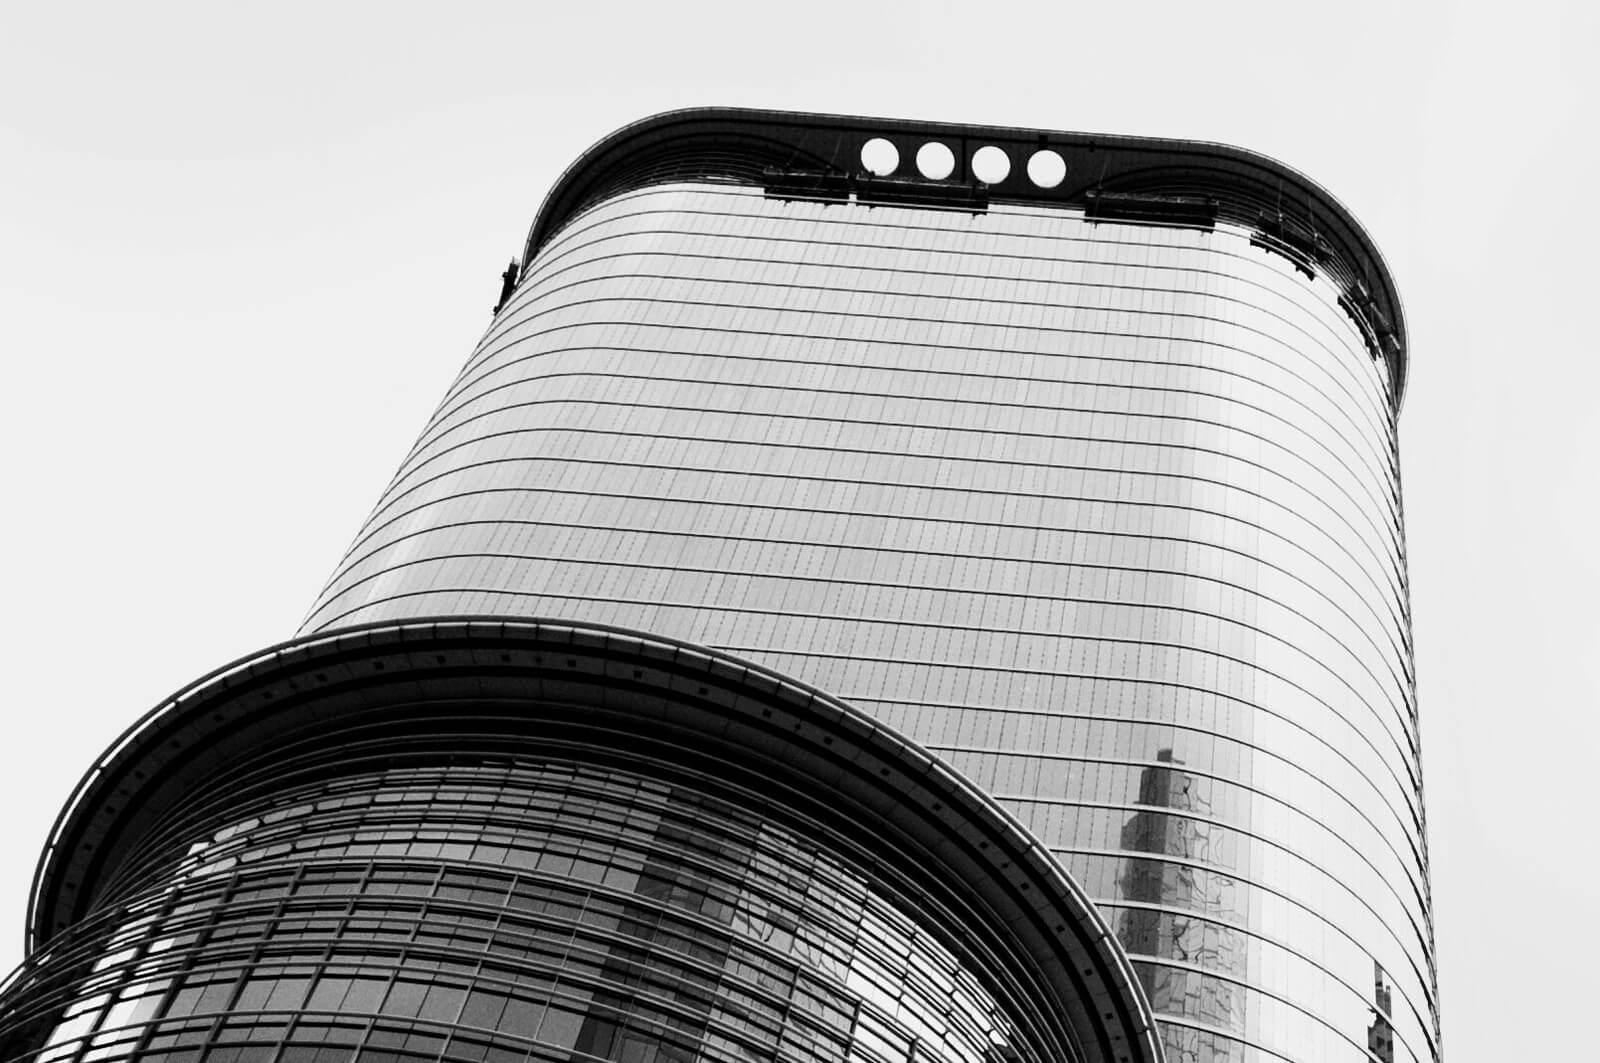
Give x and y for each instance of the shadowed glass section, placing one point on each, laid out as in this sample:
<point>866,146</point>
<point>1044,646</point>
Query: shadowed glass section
<point>371,903</point>
<point>1105,514</point>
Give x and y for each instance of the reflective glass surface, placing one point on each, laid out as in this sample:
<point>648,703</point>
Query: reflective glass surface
<point>1107,515</point>
<point>380,901</point>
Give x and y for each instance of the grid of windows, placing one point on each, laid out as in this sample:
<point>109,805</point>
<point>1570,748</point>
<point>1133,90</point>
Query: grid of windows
<point>369,904</point>
<point>1105,514</point>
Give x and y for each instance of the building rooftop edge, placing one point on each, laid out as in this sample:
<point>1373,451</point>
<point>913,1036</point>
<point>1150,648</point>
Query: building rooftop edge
<point>1297,216</point>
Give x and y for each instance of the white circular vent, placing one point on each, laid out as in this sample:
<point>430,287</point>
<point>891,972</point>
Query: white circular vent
<point>880,157</point>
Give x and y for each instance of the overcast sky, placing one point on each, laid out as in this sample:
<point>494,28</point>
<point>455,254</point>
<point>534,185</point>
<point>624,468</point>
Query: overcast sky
<point>244,248</point>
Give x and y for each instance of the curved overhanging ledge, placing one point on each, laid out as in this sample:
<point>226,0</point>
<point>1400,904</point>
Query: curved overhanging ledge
<point>1285,210</point>
<point>740,709</point>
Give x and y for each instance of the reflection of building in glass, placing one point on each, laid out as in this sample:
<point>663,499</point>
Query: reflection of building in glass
<point>1070,458</point>
<point>1164,902</point>
<point>1380,1035</point>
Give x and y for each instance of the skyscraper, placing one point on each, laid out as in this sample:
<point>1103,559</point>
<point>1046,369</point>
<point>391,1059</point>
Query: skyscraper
<point>1070,459</point>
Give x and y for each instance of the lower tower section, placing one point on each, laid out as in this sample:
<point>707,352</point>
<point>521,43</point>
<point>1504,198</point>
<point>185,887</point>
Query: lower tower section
<point>506,841</point>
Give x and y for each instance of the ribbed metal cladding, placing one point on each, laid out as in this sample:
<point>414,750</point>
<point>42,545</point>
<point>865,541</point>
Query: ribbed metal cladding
<point>1104,513</point>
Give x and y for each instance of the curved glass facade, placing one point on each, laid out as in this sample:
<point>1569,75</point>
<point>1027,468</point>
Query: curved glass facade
<point>492,840</point>
<point>1106,514</point>
<point>373,895</point>
<point>794,523</point>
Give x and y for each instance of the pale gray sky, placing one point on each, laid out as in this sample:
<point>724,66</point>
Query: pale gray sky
<point>244,248</point>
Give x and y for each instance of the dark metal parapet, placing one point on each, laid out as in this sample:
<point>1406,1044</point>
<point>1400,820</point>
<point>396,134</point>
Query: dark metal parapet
<point>1134,179</point>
